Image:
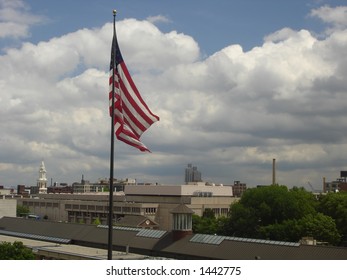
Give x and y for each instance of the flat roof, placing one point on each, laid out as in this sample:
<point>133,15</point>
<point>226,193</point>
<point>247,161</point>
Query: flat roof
<point>70,251</point>
<point>91,241</point>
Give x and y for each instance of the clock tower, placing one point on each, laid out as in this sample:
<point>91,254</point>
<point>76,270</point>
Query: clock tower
<point>42,181</point>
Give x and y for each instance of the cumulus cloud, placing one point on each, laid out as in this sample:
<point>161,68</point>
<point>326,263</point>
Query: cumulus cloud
<point>230,113</point>
<point>336,16</point>
<point>16,19</point>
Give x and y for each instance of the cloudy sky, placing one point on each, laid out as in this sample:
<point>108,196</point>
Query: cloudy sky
<point>235,84</point>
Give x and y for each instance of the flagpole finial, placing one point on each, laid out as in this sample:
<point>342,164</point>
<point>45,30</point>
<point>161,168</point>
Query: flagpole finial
<point>114,12</point>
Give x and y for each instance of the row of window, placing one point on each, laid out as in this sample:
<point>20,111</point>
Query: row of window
<point>40,204</point>
<point>182,222</point>
<point>220,211</point>
<point>150,210</point>
<point>87,214</point>
<point>121,209</point>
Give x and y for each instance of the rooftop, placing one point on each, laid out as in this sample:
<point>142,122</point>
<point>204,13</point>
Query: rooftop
<point>138,243</point>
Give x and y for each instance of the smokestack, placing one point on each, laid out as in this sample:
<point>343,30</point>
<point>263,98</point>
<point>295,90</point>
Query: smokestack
<point>273,171</point>
<point>324,187</point>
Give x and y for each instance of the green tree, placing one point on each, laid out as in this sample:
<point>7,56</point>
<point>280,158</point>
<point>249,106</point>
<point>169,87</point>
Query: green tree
<point>302,203</point>
<point>204,225</point>
<point>263,206</point>
<point>321,227</point>
<point>97,222</point>
<point>208,214</point>
<point>15,251</point>
<point>208,223</point>
<point>318,226</point>
<point>243,221</point>
<point>289,230</point>
<point>270,212</point>
<point>274,204</point>
<point>22,211</point>
<point>335,206</point>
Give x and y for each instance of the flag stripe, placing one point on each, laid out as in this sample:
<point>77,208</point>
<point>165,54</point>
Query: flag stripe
<point>125,135</point>
<point>138,101</point>
<point>132,102</point>
<point>132,116</point>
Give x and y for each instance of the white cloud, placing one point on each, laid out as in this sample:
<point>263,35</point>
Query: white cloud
<point>16,19</point>
<point>158,18</point>
<point>230,113</point>
<point>337,16</point>
<point>169,49</point>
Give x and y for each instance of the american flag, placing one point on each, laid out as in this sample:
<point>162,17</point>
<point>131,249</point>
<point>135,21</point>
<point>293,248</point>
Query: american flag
<point>132,115</point>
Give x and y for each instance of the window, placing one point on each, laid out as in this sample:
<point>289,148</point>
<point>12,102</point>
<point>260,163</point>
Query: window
<point>150,210</point>
<point>182,222</point>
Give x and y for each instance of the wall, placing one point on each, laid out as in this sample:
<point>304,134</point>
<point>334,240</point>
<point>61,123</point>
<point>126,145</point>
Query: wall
<point>8,207</point>
<point>178,190</point>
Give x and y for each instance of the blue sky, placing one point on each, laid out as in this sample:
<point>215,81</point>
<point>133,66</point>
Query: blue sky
<point>235,83</point>
<point>213,24</point>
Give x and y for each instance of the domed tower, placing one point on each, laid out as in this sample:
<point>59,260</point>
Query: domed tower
<point>42,181</point>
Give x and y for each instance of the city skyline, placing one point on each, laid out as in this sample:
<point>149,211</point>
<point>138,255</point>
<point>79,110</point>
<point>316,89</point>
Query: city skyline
<point>190,175</point>
<point>235,84</point>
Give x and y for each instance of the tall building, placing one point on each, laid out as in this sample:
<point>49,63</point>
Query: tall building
<point>192,174</point>
<point>239,188</point>
<point>42,181</point>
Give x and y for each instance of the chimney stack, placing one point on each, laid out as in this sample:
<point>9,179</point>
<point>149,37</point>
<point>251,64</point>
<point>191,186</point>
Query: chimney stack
<point>273,171</point>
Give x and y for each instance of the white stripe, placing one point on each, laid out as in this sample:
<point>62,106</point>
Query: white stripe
<point>131,140</point>
<point>130,107</point>
<point>136,100</point>
<point>133,125</point>
<point>121,115</point>
<point>117,126</point>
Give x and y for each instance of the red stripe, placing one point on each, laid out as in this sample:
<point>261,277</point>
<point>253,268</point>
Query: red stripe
<point>128,133</point>
<point>141,148</point>
<point>134,120</point>
<point>133,86</point>
<point>136,92</point>
<point>136,108</point>
<point>128,116</point>
<point>122,130</point>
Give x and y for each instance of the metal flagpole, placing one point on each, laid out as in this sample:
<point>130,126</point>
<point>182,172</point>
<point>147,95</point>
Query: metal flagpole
<point>110,204</point>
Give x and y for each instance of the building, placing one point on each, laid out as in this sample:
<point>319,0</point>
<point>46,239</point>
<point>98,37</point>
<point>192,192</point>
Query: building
<point>42,180</point>
<point>239,188</point>
<point>339,185</point>
<point>54,240</point>
<point>146,202</point>
<point>192,174</point>
<point>8,206</point>
<point>60,189</point>
<point>4,191</point>
<point>27,190</point>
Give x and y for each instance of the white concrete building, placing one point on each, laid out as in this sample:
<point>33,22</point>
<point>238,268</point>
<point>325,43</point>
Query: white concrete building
<point>198,189</point>
<point>8,207</point>
<point>154,202</point>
